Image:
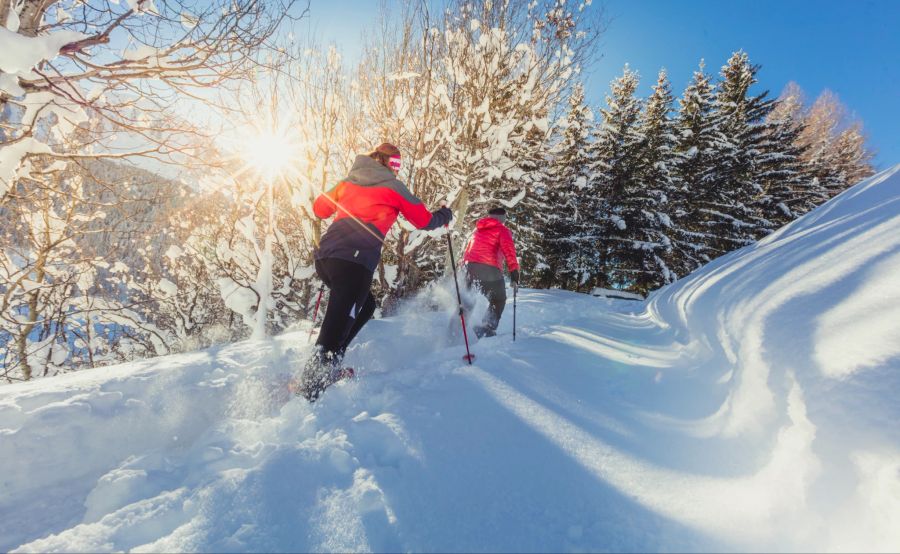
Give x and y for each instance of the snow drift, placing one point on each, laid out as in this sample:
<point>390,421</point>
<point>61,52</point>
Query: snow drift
<point>749,406</point>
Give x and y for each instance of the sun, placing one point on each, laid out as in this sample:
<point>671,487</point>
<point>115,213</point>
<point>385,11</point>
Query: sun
<point>269,153</point>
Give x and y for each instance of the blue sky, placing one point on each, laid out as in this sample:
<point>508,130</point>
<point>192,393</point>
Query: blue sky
<point>851,47</point>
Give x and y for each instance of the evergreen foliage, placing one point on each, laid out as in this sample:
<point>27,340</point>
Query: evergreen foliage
<point>568,228</point>
<point>665,194</point>
<point>658,185</point>
<point>699,222</point>
<point>631,233</point>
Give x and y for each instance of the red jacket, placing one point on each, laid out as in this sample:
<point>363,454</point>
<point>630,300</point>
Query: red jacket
<point>367,203</point>
<point>373,204</point>
<point>491,243</point>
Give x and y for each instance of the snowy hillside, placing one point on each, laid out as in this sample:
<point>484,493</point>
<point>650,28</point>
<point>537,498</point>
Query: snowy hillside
<point>750,406</point>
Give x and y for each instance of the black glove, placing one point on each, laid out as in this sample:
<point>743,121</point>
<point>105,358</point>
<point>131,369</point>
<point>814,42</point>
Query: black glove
<point>514,277</point>
<point>439,218</point>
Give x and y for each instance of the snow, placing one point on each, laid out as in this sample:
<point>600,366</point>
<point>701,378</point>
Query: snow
<point>20,53</point>
<point>62,15</point>
<point>514,201</point>
<point>168,287</point>
<point>403,76</point>
<point>9,84</point>
<point>142,6</point>
<point>239,299</point>
<point>843,345</point>
<point>140,52</point>
<point>13,21</point>
<point>11,156</point>
<point>750,406</point>
<point>174,252</point>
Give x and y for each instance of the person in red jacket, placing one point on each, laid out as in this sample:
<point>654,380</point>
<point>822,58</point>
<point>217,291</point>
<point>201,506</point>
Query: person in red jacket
<point>490,245</point>
<point>365,205</point>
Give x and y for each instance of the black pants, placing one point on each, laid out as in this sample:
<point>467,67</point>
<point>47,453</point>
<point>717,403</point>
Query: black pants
<point>350,304</point>
<point>495,291</point>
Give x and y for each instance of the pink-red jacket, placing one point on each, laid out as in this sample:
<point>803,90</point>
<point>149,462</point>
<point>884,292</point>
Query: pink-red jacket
<point>491,243</point>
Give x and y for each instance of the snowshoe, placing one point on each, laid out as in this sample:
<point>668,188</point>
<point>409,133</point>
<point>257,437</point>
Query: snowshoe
<point>319,374</point>
<point>482,332</point>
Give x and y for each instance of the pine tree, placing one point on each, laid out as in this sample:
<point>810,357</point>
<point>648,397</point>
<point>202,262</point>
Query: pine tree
<point>765,176</point>
<point>657,184</point>
<point>616,177</point>
<point>699,147</point>
<point>787,186</point>
<point>569,226</point>
<point>738,187</point>
<point>530,208</point>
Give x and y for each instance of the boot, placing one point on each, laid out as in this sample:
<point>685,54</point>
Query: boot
<point>317,374</point>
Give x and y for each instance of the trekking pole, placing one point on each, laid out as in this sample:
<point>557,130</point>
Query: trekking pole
<point>462,318</point>
<point>515,292</point>
<point>315,313</point>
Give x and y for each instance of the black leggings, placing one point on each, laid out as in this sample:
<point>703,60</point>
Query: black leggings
<point>350,303</point>
<point>495,291</point>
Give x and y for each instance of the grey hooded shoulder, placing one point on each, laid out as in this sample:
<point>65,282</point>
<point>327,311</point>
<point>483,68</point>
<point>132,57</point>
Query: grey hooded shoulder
<point>367,172</point>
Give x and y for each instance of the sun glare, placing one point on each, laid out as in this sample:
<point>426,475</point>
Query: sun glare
<point>269,154</point>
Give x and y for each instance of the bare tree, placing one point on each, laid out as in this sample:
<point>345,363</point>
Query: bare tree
<point>137,67</point>
<point>104,81</point>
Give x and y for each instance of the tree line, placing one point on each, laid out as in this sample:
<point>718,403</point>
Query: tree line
<point>650,191</point>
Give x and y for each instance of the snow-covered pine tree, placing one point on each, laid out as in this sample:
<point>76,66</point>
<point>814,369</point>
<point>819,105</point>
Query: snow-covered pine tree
<point>616,180</point>
<point>529,214</point>
<point>787,185</point>
<point>730,202</point>
<point>569,228</point>
<point>700,147</point>
<point>657,185</point>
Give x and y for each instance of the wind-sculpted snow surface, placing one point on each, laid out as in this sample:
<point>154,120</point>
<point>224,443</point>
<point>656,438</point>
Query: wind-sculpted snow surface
<point>750,406</point>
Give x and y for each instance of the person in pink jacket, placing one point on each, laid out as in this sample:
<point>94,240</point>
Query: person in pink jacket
<point>491,245</point>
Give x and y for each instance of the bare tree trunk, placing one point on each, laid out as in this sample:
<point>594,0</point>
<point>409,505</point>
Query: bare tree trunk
<point>28,327</point>
<point>31,15</point>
